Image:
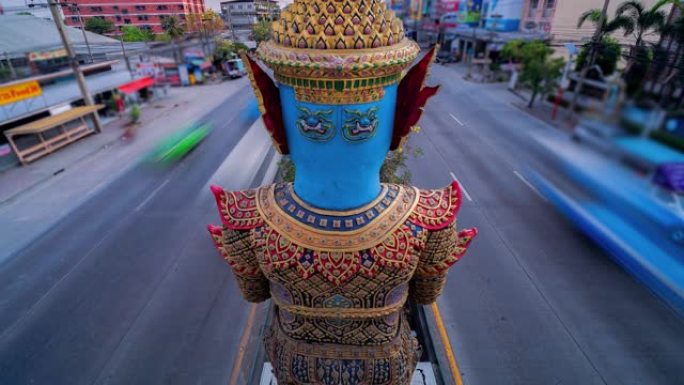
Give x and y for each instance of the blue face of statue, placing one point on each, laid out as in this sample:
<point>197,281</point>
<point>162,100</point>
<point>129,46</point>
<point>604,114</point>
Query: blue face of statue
<point>338,150</point>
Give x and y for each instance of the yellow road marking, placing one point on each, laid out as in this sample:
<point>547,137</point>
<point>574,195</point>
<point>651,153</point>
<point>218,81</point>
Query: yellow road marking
<point>235,373</point>
<point>453,366</point>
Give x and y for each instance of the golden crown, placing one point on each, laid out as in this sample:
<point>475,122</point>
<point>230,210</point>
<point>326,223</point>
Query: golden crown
<point>338,51</point>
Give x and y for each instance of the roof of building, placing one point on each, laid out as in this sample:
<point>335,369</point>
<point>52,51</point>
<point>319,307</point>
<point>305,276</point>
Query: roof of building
<point>25,33</point>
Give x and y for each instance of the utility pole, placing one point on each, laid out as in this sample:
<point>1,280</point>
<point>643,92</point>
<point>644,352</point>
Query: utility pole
<point>598,34</point>
<point>123,52</point>
<point>85,35</point>
<point>230,21</point>
<point>80,79</point>
<point>595,41</point>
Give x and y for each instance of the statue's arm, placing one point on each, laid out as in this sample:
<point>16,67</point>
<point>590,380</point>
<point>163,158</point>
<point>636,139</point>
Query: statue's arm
<point>237,249</point>
<point>442,249</point>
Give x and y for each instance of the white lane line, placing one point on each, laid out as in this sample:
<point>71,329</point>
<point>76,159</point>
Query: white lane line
<point>456,119</point>
<point>465,192</point>
<point>528,184</point>
<point>152,194</point>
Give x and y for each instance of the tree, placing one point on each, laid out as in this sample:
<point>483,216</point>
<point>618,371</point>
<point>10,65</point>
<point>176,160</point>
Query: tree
<point>172,27</point>
<point>539,71</point>
<point>261,31</point>
<point>99,25</point>
<point>607,57</point>
<point>512,50</point>
<point>132,33</point>
<point>209,23</point>
<point>225,49</point>
<point>642,21</point>
<point>609,26</point>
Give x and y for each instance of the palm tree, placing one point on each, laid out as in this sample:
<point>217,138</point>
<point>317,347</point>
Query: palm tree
<point>173,27</point>
<point>175,30</point>
<point>643,22</point>
<point>608,27</point>
<point>675,32</point>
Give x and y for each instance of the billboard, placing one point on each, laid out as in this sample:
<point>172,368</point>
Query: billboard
<point>470,12</point>
<point>21,91</point>
<point>504,15</point>
<point>416,9</point>
<point>460,13</point>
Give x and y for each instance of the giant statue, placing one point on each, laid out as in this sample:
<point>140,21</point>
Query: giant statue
<point>337,252</point>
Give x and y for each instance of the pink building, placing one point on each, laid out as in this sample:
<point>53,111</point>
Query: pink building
<point>538,16</point>
<point>144,14</point>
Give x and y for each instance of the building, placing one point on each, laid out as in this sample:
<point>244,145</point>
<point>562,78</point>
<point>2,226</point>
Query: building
<point>241,15</point>
<point>564,20</point>
<point>538,15</point>
<point>31,46</point>
<point>37,8</point>
<point>502,15</point>
<point>145,15</point>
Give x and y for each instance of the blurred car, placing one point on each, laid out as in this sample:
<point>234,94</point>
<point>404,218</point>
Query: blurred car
<point>180,144</point>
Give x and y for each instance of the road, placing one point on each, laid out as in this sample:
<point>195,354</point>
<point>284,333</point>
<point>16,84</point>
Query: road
<point>534,301</point>
<point>128,289</point>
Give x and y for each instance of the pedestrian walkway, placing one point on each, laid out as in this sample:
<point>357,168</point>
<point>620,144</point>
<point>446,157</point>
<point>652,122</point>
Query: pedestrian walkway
<point>34,197</point>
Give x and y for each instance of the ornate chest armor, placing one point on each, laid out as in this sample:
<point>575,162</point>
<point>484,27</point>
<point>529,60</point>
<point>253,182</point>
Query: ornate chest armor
<point>340,279</point>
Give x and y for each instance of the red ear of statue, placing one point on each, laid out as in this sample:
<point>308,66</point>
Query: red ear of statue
<point>268,97</point>
<point>411,98</point>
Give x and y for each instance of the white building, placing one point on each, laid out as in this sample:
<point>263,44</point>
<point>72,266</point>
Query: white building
<point>241,15</point>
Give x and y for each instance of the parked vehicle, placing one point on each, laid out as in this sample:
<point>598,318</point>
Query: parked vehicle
<point>234,68</point>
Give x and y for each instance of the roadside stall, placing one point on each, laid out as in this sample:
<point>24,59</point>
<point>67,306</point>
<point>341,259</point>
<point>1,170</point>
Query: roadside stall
<point>138,89</point>
<point>44,136</point>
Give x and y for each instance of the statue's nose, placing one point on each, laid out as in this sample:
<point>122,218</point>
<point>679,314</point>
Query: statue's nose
<point>312,121</point>
<point>364,122</point>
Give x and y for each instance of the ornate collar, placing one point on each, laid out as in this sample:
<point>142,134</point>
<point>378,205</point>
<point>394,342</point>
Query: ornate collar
<point>335,230</point>
<point>346,220</point>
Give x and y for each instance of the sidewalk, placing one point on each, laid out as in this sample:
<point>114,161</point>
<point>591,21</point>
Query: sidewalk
<point>542,109</point>
<point>34,197</point>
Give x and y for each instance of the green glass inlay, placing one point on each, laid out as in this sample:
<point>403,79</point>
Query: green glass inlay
<point>339,85</point>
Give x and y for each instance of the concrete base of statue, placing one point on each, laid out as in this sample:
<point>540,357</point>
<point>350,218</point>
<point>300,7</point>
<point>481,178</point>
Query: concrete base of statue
<point>424,375</point>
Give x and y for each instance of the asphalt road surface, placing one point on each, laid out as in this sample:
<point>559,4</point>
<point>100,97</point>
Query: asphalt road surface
<point>534,301</point>
<point>129,290</point>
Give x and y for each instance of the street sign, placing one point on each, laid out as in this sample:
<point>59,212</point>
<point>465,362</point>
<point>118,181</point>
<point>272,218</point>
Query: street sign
<point>17,92</point>
<point>572,48</point>
<point>47,55</point>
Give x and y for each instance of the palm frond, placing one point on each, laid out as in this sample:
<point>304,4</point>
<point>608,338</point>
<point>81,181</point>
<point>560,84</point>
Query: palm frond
<point>593,15</point>
<point>632,6</point>
<point>620,22</point>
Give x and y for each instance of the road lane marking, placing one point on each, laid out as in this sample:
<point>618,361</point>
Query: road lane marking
<point>456,119</point>
<point>465,192</point>
<point>242,348</point>
<point>528,184</point>
<point>152,194</point>
<point>453,365</point>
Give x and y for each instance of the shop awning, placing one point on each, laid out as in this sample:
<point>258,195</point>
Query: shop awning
<point>44,124</point>
<point>202,64</point>
<point>136,85</point>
